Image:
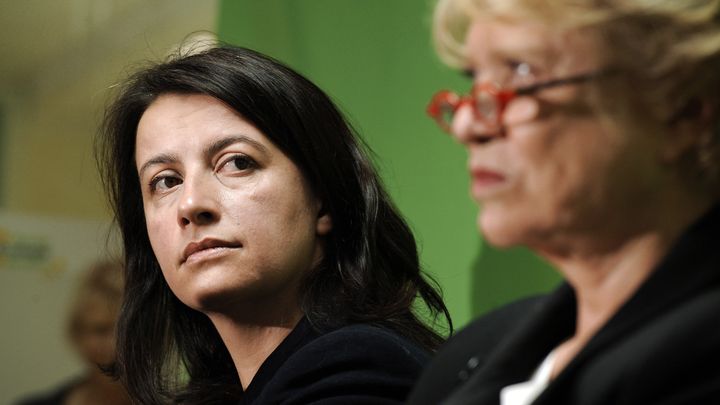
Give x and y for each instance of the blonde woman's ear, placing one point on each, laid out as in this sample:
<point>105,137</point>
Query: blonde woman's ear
<point>690,126</point>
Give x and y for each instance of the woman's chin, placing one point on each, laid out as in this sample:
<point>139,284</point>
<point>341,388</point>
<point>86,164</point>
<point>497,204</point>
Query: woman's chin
<point>499,230</point>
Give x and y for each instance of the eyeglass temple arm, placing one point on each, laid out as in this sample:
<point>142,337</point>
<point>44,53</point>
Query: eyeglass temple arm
<point>561,82</point>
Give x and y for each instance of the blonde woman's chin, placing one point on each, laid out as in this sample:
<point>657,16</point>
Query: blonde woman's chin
<point>499,228</point>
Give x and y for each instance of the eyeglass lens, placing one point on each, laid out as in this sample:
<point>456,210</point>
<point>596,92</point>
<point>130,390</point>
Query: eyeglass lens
<point>486,107</point>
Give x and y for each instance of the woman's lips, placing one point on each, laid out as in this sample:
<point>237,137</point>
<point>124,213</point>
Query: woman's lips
<point>207,254</point>
<point>206,248</point>
<point>485,182</point>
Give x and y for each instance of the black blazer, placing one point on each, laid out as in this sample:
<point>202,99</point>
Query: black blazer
<point>354,365</point>
<point>661,347</point>
<point>55,397</point>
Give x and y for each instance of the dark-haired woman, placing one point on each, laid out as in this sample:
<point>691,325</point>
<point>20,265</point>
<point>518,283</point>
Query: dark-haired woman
<point>265,262</point>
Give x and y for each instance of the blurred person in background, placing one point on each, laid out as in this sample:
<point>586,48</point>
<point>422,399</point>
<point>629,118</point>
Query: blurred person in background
<point>91,330</point>
<point>593,136</point>
<point>265,262</point>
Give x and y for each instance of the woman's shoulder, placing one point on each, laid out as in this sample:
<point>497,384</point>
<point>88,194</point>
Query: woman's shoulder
<point>482,335</point>
<point>673,357</point>
<point>54,397</point>
<point>355,364</point>
<point>369,340</point>
<point>469,348</point>
<point>363,349</point>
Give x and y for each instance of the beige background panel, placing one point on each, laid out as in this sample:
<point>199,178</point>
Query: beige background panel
<point>58,61</point>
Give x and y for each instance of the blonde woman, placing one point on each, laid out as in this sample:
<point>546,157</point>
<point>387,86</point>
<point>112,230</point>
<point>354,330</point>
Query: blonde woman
<point>91,330</point>
<point>593,136</point>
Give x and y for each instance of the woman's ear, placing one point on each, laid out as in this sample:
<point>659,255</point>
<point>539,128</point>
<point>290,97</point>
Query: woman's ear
<point>688,127</point>
<point>324,222</point>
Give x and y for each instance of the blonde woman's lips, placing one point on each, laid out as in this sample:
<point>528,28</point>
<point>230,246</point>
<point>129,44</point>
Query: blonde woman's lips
<point>486,182</point>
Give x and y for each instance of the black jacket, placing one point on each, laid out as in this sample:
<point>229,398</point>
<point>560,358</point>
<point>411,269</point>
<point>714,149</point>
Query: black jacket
<point>54,397</point>
<point>661,347</point>
<point>357,364</point>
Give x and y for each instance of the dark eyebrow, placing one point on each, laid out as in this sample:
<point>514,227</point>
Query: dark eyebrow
<point>211,150</point>
<point>223,143</point>
<point>163,158</point>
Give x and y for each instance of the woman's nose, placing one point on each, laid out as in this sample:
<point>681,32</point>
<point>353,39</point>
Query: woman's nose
<point>467,127</point>
<point>198,204</point>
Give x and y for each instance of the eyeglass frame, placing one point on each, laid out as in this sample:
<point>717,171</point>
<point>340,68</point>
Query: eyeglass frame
<point>502,97</point>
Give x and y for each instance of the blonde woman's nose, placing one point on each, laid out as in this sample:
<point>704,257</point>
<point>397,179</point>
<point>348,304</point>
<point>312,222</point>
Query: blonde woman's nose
<point>467,127</point>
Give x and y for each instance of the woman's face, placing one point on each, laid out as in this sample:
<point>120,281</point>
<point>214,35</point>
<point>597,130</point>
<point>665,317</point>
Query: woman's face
<point>560,169</point>
<point>231,219</point>
<point>93,330</point>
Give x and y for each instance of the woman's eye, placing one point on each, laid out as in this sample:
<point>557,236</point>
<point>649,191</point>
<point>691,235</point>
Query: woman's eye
<point>522,69</point>
<point>238,163</point>
<point>522,72</point>
<point>164,183</point>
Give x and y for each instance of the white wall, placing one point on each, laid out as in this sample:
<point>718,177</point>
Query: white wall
<point>40,259</point>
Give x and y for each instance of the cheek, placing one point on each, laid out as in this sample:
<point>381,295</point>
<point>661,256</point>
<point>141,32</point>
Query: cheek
<point>522,110</point>
<point>160,240</point>
<point>271,216</point>
<point>560,170</point>
<point>280,223</point>
<point>561,155</point>
<point>532,160</point>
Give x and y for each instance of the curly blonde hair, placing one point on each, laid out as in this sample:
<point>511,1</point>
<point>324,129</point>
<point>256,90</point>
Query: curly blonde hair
<point>669,49</point>
<point>101,282</point>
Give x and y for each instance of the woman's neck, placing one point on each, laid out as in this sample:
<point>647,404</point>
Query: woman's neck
<point>606,274</point>
<point>251,342</point>
<point>603,282</point>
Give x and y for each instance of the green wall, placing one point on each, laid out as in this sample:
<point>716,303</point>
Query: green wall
<point>3,159</point>
<point>374,57</point>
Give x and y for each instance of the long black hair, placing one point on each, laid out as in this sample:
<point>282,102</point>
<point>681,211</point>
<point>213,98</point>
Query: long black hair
<point>370,271</point>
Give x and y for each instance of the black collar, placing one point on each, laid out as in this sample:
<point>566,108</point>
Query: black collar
<point>302,334</point>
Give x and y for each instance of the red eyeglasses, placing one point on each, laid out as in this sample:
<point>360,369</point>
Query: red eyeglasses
<point>489,101</point>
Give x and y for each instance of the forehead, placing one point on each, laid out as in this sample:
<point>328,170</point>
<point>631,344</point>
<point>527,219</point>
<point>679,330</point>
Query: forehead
<point>177,111</point>
<point>494,40</point>
<point>183,122</point>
